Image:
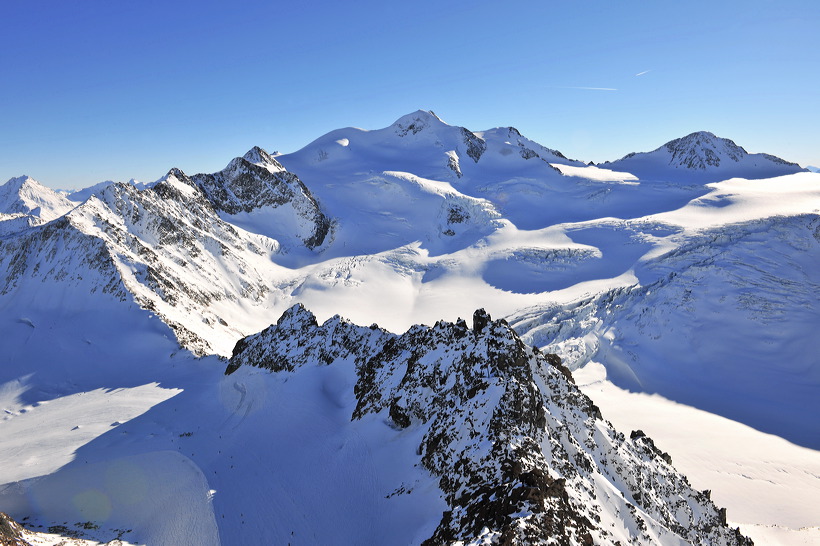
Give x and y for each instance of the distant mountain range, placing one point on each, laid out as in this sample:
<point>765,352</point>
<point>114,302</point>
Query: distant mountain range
<point>688,271</point>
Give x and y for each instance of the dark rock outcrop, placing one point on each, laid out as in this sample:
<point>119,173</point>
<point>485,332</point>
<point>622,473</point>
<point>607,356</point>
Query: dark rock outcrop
<point>11,532</point>
<point>522,456</point>
<point>257,180</point>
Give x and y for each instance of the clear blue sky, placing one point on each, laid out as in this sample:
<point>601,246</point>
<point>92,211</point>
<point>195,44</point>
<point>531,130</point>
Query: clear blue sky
<point>94,90</point>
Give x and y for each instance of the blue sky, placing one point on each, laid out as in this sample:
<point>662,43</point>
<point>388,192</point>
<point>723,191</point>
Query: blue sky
<point>95,90</point>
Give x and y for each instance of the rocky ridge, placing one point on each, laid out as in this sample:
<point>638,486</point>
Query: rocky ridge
<point>167,247</point>
<point>522,456</point>
<point>257,181</point>
<point>11,532</point>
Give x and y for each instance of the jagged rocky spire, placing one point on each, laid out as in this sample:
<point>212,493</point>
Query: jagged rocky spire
<point>522,456</point>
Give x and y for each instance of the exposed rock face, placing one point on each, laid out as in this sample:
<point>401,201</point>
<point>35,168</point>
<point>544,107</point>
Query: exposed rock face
<point>59,251</point>
<point>522,456</point>
<point>475,144</point>
<point>164,248</point>
<point>702,149</point>
<point>781,161</point>
<point>453,164</point>
<point>529,149</point>
<point>158,237</point>
<point>256,181</point>
<point>11,533</point>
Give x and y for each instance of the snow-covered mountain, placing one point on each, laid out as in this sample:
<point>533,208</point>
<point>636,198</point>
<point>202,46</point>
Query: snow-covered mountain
<point>82,195</point>
<point>167,249</point>
<point>425,145</point>
<point>24,195</point>
<point>24,203</point>
<point>694,284</point>
<point>702,157</point>
<point>531,185</point>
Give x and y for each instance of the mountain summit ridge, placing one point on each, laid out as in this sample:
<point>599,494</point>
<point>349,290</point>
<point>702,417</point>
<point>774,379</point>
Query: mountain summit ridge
<point>521,455</point>
<point>702,155</point>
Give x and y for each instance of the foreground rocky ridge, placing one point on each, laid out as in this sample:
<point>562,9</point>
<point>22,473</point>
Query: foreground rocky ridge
<point>11,532</point>
<point>522,456</point>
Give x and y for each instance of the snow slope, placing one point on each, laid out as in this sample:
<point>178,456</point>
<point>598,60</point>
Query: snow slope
<point>178,453</point>
<point>532,186</point>
<point>80,373</point>
<point>722,313</point>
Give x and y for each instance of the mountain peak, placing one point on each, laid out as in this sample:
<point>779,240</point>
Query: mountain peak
<point>25,195</point>
<point>258,156</point>
<point>705,135</point>
<point>176,172</point>
<point>18,182</point>
<point>702,157</point>
<point>416,122</point>
<point>257,181</point>
<point>702,149</point>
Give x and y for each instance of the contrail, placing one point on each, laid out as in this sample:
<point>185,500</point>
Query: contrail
<point>642,73</point>
<point>585,88</point>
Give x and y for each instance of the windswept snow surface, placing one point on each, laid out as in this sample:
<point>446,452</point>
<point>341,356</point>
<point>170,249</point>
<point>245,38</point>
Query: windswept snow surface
<point>688,273</point>
<point>73,377</point>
